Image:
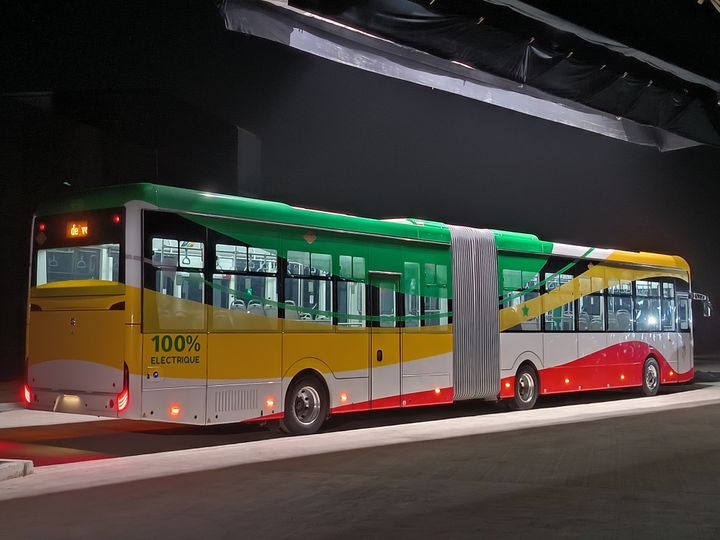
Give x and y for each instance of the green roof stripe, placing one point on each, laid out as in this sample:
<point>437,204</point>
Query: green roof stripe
<point>187,200</point>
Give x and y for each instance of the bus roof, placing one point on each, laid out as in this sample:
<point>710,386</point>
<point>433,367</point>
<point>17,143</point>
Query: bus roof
<point>216,204</point>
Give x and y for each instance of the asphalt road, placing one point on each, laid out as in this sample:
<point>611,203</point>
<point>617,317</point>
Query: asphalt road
<point>647,476</point>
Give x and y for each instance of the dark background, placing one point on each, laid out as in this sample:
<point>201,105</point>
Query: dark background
<point>97,93</point>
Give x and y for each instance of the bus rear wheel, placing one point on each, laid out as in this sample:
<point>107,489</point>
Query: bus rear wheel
<point>306,406</point>
<point>651,377</point>
<point>526,389</point>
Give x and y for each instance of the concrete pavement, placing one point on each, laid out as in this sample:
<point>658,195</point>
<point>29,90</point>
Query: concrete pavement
<point>74,476</point>
<point>13,415</point>
<point>651,475</point>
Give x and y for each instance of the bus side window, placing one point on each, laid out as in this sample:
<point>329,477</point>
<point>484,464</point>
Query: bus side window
<point>411,292</point>
<point>174,280</point>
<point>435,307</point>
<point>591,313</point>
<point>561,318</point>
<point>176,263</point>
<point>308,288</point>
<point>620,306</point>
<point>179,283</point>
<point>668,307</point>
<point>350,292</point>
<point>647,306</point>
<point>520,287</point>
<point>244,282</point>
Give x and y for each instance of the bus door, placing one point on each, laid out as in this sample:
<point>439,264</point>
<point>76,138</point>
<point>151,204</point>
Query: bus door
<point>683,335</point>
<point>385,350</point>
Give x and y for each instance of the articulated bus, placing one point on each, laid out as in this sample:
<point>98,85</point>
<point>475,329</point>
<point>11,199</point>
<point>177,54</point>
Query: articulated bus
<point>160,303</point>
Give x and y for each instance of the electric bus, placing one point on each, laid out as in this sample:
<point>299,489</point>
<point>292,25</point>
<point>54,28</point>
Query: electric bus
<point>160,303</point>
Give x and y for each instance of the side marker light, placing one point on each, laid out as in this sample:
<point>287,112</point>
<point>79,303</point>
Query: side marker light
<point>437,390</point>
<point>270,402</point>
<point>27,394</point>
<point>567,381</point>
<point>343,397</point>
<point>174,409</point>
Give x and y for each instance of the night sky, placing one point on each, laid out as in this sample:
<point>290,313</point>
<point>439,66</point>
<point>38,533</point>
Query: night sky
<point>121,92</point>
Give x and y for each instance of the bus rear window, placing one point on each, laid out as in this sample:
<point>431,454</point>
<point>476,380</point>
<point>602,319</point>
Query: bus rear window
<point>100,262</point>
<point>81,247</point>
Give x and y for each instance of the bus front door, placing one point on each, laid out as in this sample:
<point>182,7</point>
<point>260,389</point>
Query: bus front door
<point>385,350</point>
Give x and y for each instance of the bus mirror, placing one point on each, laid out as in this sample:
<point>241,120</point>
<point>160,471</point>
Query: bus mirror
<point>707,305</point>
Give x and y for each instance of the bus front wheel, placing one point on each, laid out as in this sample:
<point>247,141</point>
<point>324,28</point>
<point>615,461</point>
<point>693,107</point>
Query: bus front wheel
<point>651,377</point>
<point>527,388</point>
<point>306,406</point>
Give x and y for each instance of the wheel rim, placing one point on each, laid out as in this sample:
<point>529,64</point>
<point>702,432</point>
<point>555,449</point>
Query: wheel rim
<point>307,405</point>
<point>526,387</point>
<point>651,376</point>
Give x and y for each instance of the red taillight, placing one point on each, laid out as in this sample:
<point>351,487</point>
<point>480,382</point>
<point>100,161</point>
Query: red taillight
<point>27,394</point>
<point>116,219</point>
<point>41,227</point>
<point>123,398</point>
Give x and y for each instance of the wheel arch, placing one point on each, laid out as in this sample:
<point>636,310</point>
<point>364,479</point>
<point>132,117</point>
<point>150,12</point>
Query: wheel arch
<point>311,372</point>
<point>528,362</point>
<point>527,356</point>
<point>307,366</point>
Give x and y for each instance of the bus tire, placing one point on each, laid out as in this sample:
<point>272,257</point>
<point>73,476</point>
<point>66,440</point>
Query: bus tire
<point>306,406</point>
<point>651,377</point>
<point>527,388</point>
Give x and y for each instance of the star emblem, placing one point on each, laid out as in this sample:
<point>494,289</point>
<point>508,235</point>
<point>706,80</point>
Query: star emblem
<point>525,310</point>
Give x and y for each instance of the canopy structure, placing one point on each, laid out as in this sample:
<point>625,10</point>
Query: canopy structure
<point>503,52</point>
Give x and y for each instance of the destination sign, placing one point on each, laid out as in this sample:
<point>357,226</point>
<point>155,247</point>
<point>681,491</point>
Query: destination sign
<point>77,229</point>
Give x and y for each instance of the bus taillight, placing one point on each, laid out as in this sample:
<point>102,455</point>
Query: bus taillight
<point>123,398</point>
<point>27,394</point>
